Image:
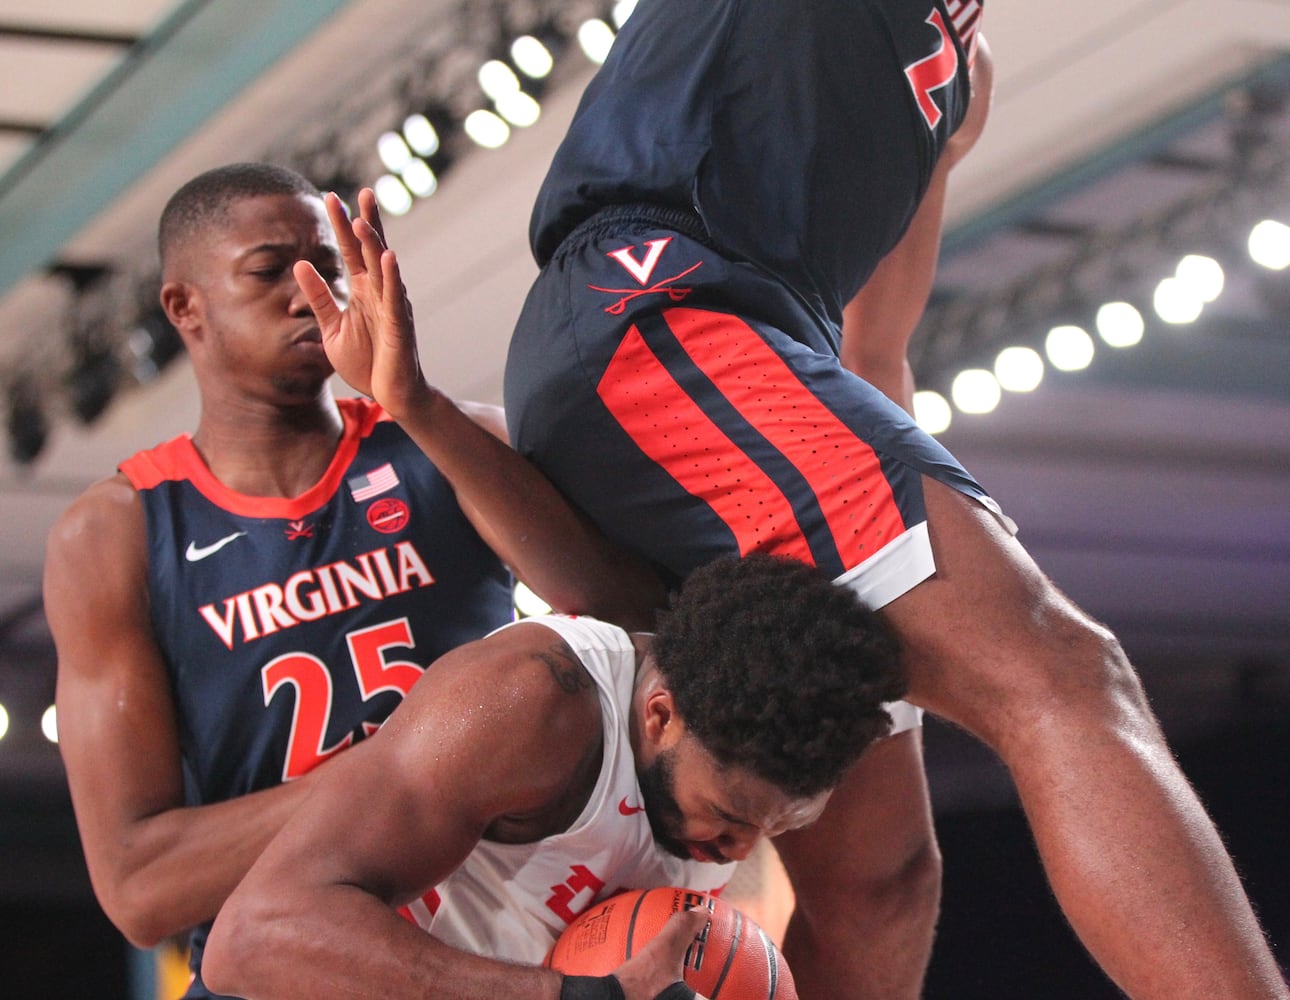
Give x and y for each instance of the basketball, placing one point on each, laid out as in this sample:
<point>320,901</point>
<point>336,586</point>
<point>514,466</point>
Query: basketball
<point>733,959</point>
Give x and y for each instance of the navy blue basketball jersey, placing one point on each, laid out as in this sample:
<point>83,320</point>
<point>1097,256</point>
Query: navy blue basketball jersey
<point>802,134</point>
<point>291,628</point>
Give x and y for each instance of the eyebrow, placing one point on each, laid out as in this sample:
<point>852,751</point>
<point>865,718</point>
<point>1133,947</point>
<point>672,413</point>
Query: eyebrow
<point>291,250</point>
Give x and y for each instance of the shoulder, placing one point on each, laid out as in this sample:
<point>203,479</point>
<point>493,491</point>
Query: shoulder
<point>108,514</point>
<point>96,559</point>
<point>516,710</point>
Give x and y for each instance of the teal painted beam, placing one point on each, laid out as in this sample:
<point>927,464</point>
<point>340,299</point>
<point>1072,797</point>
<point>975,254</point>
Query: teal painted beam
<point>164,90</point>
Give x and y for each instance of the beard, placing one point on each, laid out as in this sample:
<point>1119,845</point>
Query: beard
<point>661,808</point>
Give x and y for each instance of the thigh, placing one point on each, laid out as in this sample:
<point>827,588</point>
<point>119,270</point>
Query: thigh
<point>989,641</point>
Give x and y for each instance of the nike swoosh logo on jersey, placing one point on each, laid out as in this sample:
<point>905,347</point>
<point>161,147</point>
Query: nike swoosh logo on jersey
<point>196,554</point>
<point>629,810</point>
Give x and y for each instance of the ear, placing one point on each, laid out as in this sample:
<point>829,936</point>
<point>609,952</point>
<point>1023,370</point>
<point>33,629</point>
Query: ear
<point>182,303</point>
<point>661,725</point>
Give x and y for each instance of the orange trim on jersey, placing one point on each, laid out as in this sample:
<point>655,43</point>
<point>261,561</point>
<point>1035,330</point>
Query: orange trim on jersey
<point>667,425</point>
<point>842,470</point>
<point>177,460</point>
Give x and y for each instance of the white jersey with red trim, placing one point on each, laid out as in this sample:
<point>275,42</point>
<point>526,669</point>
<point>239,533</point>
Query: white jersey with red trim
<point>511,901</point>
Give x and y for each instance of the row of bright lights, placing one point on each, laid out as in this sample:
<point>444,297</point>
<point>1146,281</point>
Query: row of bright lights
<point>1178,299</point>
<point>526,602</point>
<point>406,154</point>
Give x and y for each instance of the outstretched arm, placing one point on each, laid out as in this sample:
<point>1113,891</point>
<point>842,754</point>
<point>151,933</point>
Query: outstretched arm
<point>548,544</point>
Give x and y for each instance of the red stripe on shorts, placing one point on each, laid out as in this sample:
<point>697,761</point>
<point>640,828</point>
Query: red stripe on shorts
<point>842,471</point>
<point>666,424</point>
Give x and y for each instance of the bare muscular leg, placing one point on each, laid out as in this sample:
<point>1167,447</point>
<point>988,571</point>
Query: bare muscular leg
<point>867,878</point>
<point>1135,862</point>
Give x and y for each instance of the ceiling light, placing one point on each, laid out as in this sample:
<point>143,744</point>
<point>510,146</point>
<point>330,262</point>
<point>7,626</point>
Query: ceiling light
<point>1069,348</point>
<point>418,178</point>
<point>622,11</point>
<point>932,411</point>
<point>1176,303</point>
<point>975,391</point>
<point>496,79</point>
<point>1203,275</point>
<point>487,129</point>
<point>393,151</point>
<point>49,724</point>
<point>1269,245</point>
<point>393,197</point>
<point>1019,369</point>
<point>421,135</point>
<point>1119,324</point>
<point>596,39</point>
<point>528,603</point>
<point>531,57</point>
<point>519,109</point>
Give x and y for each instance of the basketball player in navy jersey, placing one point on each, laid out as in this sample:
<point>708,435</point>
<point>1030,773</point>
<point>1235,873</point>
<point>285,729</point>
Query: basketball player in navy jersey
<point>235,607</point>
<point>735,174</point>
<point>591,760</point>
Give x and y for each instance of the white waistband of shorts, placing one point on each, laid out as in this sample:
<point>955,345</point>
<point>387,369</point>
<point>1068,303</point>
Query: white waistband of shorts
<point>895,569</point>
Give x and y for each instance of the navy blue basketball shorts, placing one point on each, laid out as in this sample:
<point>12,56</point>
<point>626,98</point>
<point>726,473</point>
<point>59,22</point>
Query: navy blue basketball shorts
<point>693,406</point>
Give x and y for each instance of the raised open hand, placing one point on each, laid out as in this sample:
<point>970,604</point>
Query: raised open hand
<point>371,341</point>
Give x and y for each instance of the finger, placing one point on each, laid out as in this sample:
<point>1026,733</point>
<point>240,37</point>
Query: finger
<point>318,293</point>
<point>680,930</point>
<point>394,294</point>
<point>372,249</point>
<point>351,251</point>
<point>369,209</point>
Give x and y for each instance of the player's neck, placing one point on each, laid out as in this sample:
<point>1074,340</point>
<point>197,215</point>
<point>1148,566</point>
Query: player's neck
<point>269,451</point>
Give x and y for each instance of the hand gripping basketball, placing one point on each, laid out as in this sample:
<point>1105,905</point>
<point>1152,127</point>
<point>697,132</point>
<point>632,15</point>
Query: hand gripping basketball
<point>731,958</point>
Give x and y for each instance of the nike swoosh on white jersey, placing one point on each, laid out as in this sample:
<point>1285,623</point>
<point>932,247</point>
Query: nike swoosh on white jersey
<point>195,554</point>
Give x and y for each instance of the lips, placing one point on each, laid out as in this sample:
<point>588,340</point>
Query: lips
<point>311,336</point>
<point>704,853</point>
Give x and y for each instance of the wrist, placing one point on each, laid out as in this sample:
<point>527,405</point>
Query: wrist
<point>591,988</point>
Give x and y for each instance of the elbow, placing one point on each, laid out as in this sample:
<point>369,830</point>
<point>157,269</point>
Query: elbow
<point>224,960</point>
<point>142,920</point>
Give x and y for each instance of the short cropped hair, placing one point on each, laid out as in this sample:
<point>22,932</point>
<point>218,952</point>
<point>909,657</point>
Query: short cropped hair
<point>776,670</point>
<point>204,202</point>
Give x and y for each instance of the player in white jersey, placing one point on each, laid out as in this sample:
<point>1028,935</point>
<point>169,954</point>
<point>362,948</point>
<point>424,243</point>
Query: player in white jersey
<point>549,765</point>
<point>513,900</point>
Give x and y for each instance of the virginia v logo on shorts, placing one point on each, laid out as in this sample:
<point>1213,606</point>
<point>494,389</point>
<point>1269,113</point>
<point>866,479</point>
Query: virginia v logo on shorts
<point>195,553</point>
<point>643,271</point>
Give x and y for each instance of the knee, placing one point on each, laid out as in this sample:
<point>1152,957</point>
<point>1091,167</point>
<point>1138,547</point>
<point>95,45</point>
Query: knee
<point>1065,668</point>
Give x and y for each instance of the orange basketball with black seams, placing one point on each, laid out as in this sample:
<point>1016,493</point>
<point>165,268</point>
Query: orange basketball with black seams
<point>733,959</point>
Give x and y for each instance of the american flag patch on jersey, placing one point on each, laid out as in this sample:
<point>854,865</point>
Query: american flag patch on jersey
<point>379,480</point>
<point>965,15</point>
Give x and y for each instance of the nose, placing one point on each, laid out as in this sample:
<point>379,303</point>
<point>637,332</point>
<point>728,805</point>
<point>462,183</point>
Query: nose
<point>738,846</point>
<point>299,304</point>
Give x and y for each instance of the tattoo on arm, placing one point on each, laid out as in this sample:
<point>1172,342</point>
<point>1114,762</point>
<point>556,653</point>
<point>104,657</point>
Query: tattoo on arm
<point>566,669</point>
